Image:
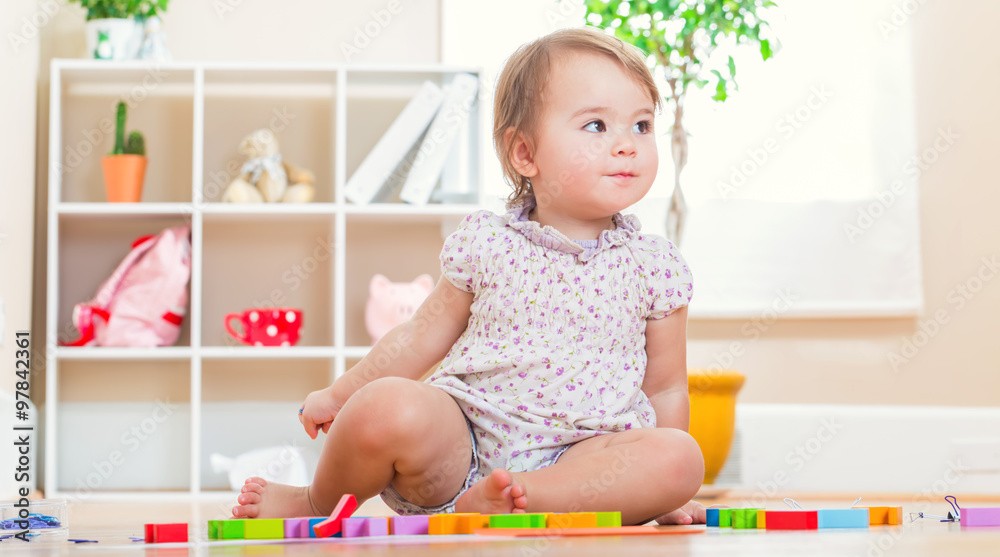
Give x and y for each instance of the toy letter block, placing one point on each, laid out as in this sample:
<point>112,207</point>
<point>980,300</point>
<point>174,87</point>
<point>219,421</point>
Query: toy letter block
<point>296,528</point>
<point>984,516</point>
<point>166,533</point>
<point>214,529</point>
<point>744,519</point>
<point>416,525</point>
<point>264,529</point>
<point>609,520</point>
<point>761,519</point>
<point>791,520</point>
<point>570,520</point>
<point>712,517</point>
<point>363,527</point>
<point>519,520</point>
<point>467,524</point>
<point>347,505</point>
<point>725,518</point>
<point>885,515</point>
<point>232,529</point>
<point>842,518</point>
<point>312,524</point>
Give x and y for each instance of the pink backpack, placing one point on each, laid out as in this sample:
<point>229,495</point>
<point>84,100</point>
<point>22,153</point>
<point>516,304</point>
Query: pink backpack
<point>143,302</point>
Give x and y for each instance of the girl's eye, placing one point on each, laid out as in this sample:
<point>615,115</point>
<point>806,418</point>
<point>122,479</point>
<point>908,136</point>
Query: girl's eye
<point>594,126</point>
<point>642,127</point>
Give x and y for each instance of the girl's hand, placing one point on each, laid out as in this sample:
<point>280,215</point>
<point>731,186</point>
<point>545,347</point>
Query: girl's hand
<point>318,411</point>
<point>691,513</point>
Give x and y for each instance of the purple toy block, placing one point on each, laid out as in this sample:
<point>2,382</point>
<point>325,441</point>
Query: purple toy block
<point>985,516</point>
<point>354,527</point>
<point>415,525</point>
<point>378,526</point>
<point>296,528</point>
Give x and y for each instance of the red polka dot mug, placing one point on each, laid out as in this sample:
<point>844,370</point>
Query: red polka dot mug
<point>266,326</point>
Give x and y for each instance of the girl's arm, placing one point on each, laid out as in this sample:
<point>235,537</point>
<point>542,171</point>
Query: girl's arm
<point>665,382</point>
<point>408,350</point>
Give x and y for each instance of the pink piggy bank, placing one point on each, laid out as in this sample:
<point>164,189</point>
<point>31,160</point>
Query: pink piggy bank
<point>392,303</point>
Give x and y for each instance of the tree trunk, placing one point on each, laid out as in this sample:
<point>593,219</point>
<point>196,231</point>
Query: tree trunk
<point>677,207</point>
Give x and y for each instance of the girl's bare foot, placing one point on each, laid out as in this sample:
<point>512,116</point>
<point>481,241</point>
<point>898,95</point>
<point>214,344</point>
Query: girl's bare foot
<point>262,499</point>
<point>495,494</point>
<point>691,513</point>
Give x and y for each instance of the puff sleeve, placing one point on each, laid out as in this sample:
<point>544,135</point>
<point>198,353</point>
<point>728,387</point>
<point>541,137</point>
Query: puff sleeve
<point>669,278</point>
<point>461,261</point>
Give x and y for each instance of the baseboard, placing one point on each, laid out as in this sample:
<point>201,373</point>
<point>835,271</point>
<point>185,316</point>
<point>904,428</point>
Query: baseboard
<point>861,450</point>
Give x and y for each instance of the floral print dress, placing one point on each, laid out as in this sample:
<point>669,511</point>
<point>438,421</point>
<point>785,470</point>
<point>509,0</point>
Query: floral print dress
<point>554,351</point>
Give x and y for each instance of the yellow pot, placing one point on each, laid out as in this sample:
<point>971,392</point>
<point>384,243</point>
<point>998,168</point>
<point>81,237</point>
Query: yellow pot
<point>713,414</point>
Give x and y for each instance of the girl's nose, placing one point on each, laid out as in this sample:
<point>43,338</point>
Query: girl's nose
<point>624,145</point>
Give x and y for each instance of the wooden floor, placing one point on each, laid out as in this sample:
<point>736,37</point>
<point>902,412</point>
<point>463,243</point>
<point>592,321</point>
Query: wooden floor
<point>111,524</point>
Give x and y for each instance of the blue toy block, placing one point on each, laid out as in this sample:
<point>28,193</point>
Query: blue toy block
<point>712,517</point>
<point>842,518</point>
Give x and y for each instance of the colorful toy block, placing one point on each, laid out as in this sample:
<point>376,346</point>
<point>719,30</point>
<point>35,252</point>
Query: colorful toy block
<point>609,520</point>
<point>414,525</point>
<point>791,520</point>
<point>347,505</point>
<point>569,520</point>
<point>761,519</point>
<point>984,516</point>
<point>297,527</point>
<point>166,533</point>
<point>365,526</point>
<point>467,524</point>
<point>884,515</point>
<point>744,519</point>
<point>712,517</point>
<point>842,518</point>
<point>519,520</point>
<point>444,524</point>
<point>725,518</point>
<point>312,525</point>
<point>214,529</point>
<point>231,529</point>
<point>264,529</point>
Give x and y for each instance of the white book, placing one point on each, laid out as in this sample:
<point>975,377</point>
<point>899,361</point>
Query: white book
<point>439,139</point>
<point>394,145</point>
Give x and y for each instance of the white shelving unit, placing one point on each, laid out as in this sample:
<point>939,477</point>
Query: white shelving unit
<point>317,256</point>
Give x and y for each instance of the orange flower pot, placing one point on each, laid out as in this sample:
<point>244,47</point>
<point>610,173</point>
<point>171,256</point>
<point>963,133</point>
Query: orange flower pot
<point>123,177</point>
<point>713,414</point>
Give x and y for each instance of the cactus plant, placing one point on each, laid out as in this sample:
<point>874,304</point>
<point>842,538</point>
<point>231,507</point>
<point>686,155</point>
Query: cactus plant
<point>136,144</point>
<point>119,131</point>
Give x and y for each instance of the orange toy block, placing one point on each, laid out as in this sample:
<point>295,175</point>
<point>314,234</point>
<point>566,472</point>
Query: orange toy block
<point>467,524</point>
<point>571,520</point>
<point>331,526</point>
<point>602,531</point>
<point>885,515</point>
<point>444,524</point>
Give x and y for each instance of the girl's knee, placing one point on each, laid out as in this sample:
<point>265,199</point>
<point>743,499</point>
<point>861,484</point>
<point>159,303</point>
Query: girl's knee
<point>382,414</point>
<point>683,458</point>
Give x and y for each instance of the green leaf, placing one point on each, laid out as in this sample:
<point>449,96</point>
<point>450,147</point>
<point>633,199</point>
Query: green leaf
<point>732,67</point>
<point>765,49</point>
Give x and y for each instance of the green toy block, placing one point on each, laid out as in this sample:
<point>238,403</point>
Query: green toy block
<point>264,529</point>
<point>725,518</point>
<point>520,520</point>
<point>213,532</point>
<point>231,529</point>
<point>609,520</point>
<point>536,520</point>
<point>744,518</point>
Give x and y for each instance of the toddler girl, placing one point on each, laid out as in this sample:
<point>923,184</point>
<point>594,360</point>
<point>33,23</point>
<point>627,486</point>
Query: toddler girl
<point>559,327</point>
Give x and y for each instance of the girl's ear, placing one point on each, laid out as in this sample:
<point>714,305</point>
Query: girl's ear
<point>520,154</point>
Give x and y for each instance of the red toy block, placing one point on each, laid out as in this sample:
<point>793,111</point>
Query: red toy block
<point>792,520</point>
<point>347,505</point>
<point>167,533</point>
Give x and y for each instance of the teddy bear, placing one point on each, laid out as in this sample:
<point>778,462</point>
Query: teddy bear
<point>265,177</point>
<point>391,303</point>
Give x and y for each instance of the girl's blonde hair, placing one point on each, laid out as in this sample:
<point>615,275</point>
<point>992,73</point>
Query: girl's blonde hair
<point>517,102</point>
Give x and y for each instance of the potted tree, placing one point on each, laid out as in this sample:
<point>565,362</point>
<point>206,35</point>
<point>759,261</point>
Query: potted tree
<point>115,27</point>
<point>681,36</point>
<point>125,167</point>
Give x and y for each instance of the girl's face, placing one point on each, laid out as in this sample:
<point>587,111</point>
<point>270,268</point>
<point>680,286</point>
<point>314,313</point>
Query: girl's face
<point>594,147</point>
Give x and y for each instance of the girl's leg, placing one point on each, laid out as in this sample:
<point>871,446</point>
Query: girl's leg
<point>393,430</point>
<point>644,473</point>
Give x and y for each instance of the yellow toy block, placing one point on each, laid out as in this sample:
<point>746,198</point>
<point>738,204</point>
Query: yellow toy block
<point>571,520</point>
<point>444,524</point>
<point>761,523</point>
